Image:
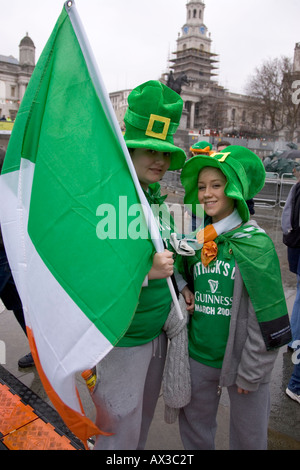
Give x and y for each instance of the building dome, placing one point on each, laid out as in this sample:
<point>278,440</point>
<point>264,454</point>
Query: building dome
<point>27,51</point>
<point>27,41</point>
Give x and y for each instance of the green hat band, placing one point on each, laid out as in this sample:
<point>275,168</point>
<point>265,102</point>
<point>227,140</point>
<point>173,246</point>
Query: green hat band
<point>152,118</point>
<point>155,126</point>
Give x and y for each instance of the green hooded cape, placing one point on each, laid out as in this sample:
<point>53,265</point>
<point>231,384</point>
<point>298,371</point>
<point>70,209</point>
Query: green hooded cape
<point>258,263</point>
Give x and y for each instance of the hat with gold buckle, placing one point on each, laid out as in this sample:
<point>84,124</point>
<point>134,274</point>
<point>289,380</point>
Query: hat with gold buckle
<point>152,118</point>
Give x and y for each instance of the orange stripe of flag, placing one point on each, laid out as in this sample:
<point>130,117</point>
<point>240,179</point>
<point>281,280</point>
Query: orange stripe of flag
<point>81,426</point>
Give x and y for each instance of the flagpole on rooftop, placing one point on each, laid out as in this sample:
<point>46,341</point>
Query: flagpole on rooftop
<point>110,114</point>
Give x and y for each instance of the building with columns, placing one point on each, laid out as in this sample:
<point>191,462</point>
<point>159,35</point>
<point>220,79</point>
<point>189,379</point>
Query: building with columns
<point>194,58</point>
<point>209,108</point>
<point>14,77</point>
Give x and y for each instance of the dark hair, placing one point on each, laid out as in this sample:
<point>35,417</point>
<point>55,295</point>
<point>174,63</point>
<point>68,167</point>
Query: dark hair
<point>223,143</point>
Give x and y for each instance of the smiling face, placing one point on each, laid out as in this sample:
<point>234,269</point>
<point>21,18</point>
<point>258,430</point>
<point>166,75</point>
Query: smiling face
<point>211,185</point>
<point>150,165</point>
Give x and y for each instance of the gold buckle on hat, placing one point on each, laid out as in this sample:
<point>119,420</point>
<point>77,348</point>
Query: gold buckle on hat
<point>157,135</point>
<point>223,158</point>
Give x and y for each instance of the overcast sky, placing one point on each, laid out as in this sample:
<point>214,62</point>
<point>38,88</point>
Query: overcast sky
<point>132,40</point>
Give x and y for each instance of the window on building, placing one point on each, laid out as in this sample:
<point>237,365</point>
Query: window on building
<point>195,14</point>
<point>233,113</point>
<point>12,91</point>
<point>244,116</point>
<point>2,90</point>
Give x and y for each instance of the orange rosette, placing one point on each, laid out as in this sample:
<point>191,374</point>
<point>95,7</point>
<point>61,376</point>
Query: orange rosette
<point>209,252</point>
<point>206,234</point>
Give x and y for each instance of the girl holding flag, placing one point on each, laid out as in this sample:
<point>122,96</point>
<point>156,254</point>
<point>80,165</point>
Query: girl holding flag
<point>129,377</point>
<point>240,317</point>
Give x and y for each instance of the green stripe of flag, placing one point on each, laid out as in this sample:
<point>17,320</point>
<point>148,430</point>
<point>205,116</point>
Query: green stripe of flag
<point>79,165</point>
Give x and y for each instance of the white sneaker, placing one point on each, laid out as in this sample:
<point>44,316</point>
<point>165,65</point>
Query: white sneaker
<point>293,395</point>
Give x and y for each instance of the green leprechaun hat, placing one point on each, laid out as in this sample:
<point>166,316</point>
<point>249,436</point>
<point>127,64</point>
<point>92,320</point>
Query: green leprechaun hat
<point>152,118</point>
<point>244,171</point>
<point>201,147</point>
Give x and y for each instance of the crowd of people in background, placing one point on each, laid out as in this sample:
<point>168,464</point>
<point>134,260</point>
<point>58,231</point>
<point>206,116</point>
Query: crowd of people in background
<point>7,119</point>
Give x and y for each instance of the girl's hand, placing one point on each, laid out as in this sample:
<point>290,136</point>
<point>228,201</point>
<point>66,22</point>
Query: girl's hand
<point>163,265</point>
<point>189,299</point>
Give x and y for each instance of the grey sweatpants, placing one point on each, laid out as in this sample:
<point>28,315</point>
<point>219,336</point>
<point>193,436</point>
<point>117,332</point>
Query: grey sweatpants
<point>126,393</point>
<point>249,413</point>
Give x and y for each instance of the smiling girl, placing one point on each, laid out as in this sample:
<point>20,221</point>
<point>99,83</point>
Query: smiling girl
<point>211,185</point>
<point>240,317</point>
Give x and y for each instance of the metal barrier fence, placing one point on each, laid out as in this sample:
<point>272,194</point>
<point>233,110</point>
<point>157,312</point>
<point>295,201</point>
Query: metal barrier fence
<point>274,192</point>
<point>172,181</point>
<point>269,195</point>
<point>287,181</point>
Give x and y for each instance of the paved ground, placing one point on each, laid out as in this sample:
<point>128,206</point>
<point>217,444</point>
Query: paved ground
<point>284,429</point>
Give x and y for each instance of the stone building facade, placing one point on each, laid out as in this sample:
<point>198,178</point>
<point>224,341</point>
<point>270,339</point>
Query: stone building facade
<point>14,77</point>
<point>119,103</point>
<point>212,110</point>
<point>209,109</point>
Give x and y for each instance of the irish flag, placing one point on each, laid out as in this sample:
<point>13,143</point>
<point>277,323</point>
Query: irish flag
<point>65,163</point>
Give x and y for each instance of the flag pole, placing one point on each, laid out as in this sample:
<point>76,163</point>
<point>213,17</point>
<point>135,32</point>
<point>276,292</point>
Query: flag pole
<point>110,114</point>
